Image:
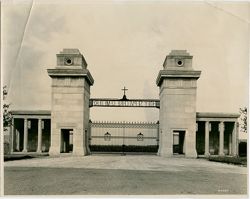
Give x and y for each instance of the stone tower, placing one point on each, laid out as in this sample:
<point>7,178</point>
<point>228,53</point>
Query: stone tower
<point>71,83</point>
<point>177,82</point>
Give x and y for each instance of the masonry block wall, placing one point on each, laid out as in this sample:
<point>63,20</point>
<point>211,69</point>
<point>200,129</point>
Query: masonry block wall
<point>177,84</point>
<point>70,101</point>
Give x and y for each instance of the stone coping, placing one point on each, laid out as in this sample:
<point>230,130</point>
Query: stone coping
<point>198,114</point>
<point>177,74</point>
<point>71,73</point>
<point>216,115</point>
<point>31,112</point>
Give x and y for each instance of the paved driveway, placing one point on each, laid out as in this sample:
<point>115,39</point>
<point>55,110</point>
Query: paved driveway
<point>115,174</point>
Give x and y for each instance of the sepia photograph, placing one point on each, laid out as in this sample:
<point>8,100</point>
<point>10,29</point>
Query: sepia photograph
<point>124,98</point>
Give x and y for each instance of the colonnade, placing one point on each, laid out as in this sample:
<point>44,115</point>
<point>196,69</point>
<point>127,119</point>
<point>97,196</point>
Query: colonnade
<point>232,139</point>
<point>209,130</point>
<point>15,135</point>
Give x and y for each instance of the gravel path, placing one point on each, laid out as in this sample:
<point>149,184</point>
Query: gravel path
<point>130,174</point>
<point>128,162</point>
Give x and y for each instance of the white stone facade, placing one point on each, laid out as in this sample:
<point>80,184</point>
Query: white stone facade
<point>177,84</point>
<point>70,101</point>
<point>67,127</point>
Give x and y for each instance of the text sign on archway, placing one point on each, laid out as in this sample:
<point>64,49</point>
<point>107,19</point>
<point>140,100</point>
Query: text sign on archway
<point>106,102</point>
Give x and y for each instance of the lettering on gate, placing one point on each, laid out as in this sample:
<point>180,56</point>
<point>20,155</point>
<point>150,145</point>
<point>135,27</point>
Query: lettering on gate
<point>106,102</point>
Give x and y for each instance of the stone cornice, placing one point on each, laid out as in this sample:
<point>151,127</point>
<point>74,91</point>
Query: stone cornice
<point>71,73</point>
<point>180,56</point>
<point>177,74</point>
<point>199,115</point>
<point>31,112</point>
<point>217,115</point>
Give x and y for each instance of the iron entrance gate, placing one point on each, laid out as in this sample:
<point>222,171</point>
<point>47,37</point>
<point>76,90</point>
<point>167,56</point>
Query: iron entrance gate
<point>124,137</point>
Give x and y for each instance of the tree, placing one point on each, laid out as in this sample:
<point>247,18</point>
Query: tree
<point>243,118</point>
<point>7,116</point>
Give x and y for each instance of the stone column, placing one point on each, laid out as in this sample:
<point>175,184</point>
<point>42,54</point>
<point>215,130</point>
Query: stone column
<point>207,138</point>
<point>17,140</point>
<point>237,138</point>
<point>39,136</point>
<point>12,136</point>
<point>25,135</point>
<point>221,145</point>
<point>230,145</point>
<point>234,140</point>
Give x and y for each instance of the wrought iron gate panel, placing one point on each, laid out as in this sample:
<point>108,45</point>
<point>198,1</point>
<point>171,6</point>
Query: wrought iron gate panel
<point>124,133</point>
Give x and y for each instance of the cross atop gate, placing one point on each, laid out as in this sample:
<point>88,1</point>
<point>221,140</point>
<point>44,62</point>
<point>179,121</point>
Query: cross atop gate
<point>124,93</point>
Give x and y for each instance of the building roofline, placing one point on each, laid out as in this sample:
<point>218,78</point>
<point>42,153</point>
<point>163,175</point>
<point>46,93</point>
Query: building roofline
<point>30,112</point>
<point>198,114</point>
<point>217,115</point>
<point>195,74</point>
<point>65,72</point>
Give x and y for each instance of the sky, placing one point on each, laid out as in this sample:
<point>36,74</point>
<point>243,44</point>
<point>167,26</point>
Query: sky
<point>125,44</point>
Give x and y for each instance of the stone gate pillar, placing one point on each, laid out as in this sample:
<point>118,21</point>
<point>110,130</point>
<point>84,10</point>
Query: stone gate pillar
<point>71,83</point>
<point>177,82</point>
